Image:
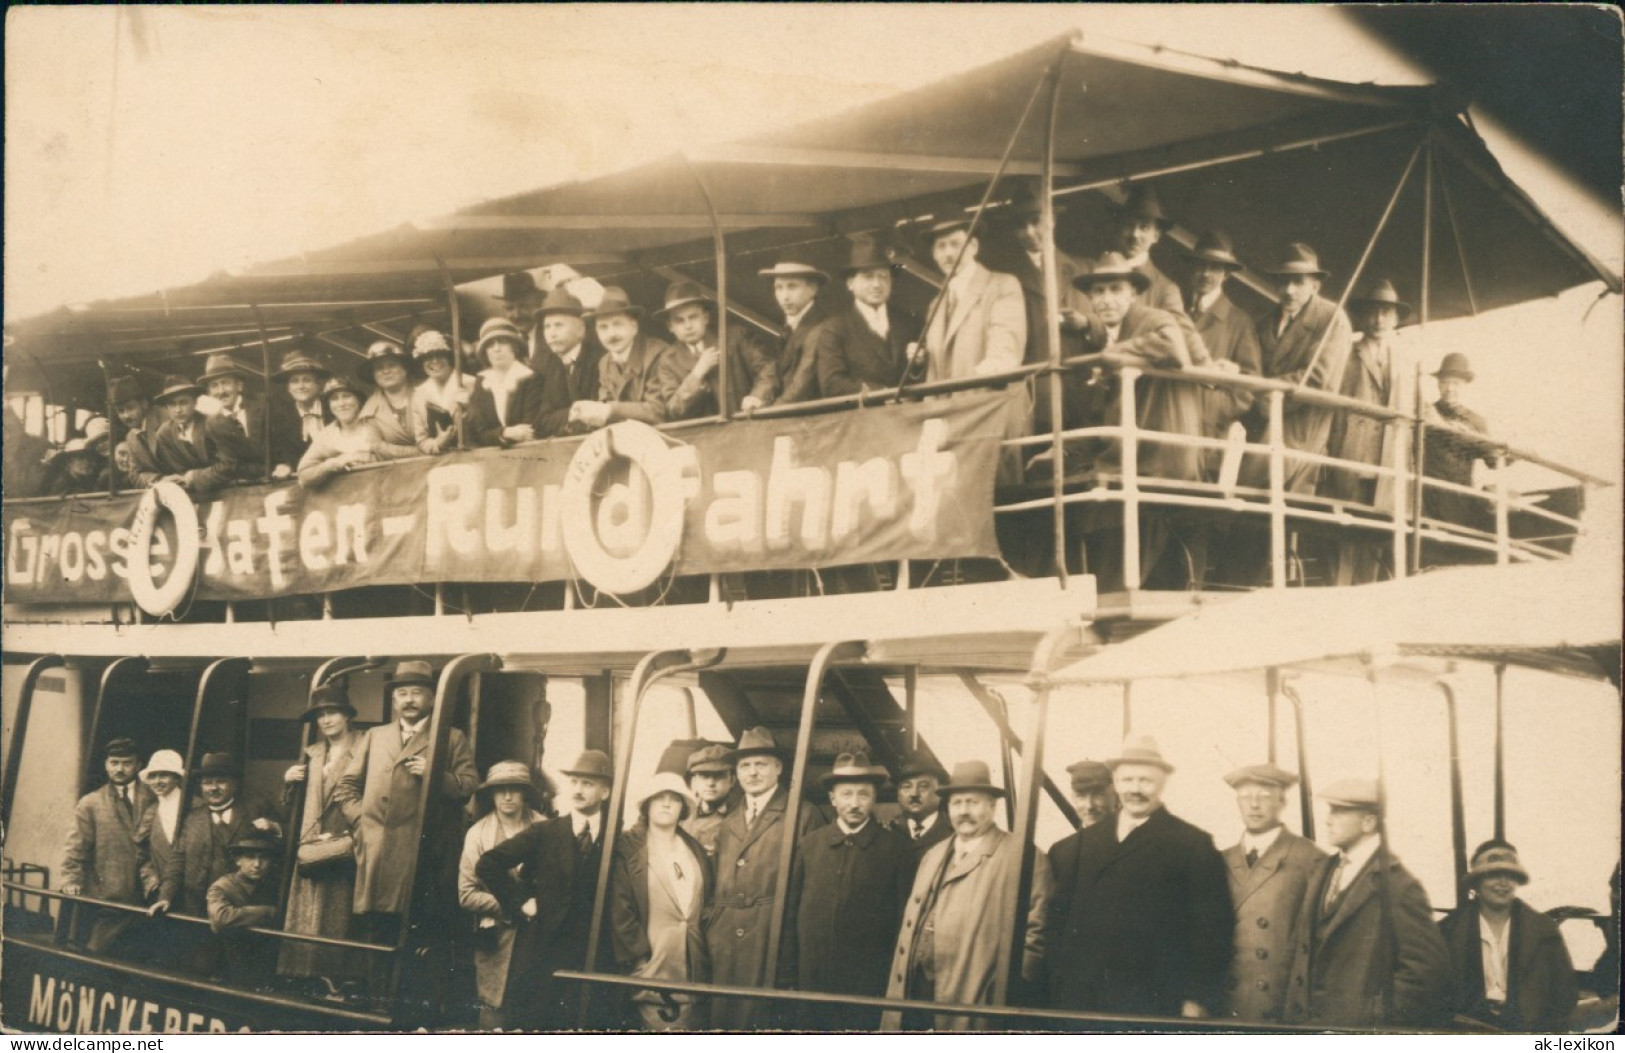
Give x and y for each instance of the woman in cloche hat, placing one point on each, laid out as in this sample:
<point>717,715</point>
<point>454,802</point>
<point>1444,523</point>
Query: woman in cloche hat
<point>516,400</point>
<point>389,370</point>
<point>511,792</point>
<point>347,442</point>
<point>658,893</point>
<point>442,398</point>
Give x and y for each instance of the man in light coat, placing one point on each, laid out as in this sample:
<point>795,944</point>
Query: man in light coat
<point>1270,868</point>
<point>102,858</point>
<point>978,322</point>
<point>948,949</point>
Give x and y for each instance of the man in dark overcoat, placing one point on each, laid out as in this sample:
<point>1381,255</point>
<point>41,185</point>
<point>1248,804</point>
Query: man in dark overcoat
<point>102,858</point>
<point>1140,921</point>
<point>848,885</point>
<point>799,289</point>
<point>921,822</point>
<point>201,453</point>
<point>866,345</point>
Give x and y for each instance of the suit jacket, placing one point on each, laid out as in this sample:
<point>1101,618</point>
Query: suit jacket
<point>282,421</point>
<point>380,799</point>
<point>1541,986</point>
<point>940,831</point>
<point>536,399</point>
<point>750,372</point>
<point>968,897</point>
<point>143,449</point>
<point>215,456</point>
<point>1268,897</point>
<point>1139,926</point>
<point>1287,357</point>
<point>1381,373</point>
<point>581,381</point>
<point>101,855</point>
<point>986,331</point>
<point>796,358</point>
<point>1343,960</point>
<point>1153,338</point>
<point>1230,335</point>
<point>851,356</point>
<point>632,389</point>
<point>198,858</point>
<point>846,900</point>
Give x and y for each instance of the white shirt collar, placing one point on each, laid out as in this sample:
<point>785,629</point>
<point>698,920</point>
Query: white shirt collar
<point>926,825</point>
<point>1127,824</point>
<point>963,848</point>
<point>1206,302</point>
<point>964,276</point>
<point>409,730</point>
<point>1260,843</point>
<point>875,317</point>
<point>849,830</point>
<point>755,802</point>
<point>1112,333</point>
<point>570,356</point>
<point>1355,859</point>
<point>579,822</point>
<point>1037,258</point>
<point>793,320</point>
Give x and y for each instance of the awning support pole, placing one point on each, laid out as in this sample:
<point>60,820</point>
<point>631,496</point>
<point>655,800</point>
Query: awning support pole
<point>1306,789</point>
<point>720,247</point>
<point>112,451</point>
<point>93,734</point>
<point>19,731</point>
<point>1272,685</point>
<point>1277,465</point>
<point>997,711</point>
<point>1128,424</point>
<point>1384,854</point>
<point>1455,234</point>
<point>1128,707</point>
<point>1500,752</point>
<point>1458,821</point>
<point>1423,303</point>
<point>265,370</point>
<point>1052,328</point>
<point>453,309</point>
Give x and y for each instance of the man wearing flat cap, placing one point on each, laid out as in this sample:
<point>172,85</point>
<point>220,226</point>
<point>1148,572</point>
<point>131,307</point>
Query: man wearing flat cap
<point>847,888</point>
<point>711,780</point>
<point>1141,919</point>
<point>686,381</point>
<point>922,822</point>
<point>1270,870</point>
<point>747,868</point>
<point>245,899</point>
<point>953,925</point>
<point>866,345</point>
<point>798,288</point>
<point>102,858</point>
<point>1368,953</point>
<point>1509,966</point>
<point>551,902</point>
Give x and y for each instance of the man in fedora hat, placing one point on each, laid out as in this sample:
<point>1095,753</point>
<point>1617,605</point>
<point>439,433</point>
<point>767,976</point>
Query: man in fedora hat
<point>865,345</point>
<point>919,782</point>
<point>551,902</point>
<point>201,453</point>
<point>847,888</point>
<point>948,948</point>
<point>747,867</point>
<point>562,322</point>
<point>1229,333</point>
<point>686,381</point>
<point>1270,870</point>
<point>521,298</point>
<point>102,857</point>
<point>711,780</point>
<point>1368,953</point>
<point>1449,452</point>
<point>135,428</point>
<point>628,388</point>
<point>225,381</point>
<point>1141,919</point>
<point>379,794</point>
<point>1509,966</point>
<point>1133,228</point>
<point>978,322</point>
<point>1016,247</point>
<point>303,413</point>
<point>798,288</point>
<point>1378,372</point>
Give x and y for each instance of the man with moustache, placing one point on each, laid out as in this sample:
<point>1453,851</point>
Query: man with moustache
<point>867,345</point>
<point>627,385</point>
<point>711,780</point>
<point>561,319</point>
<point>102,858</point>
<point>948,948</point>
<point>847,888</point>
<point>922,821</point>
<point>551,902</point>
<point>225,382</point>
<point>798,289</point>
<point>1270,869</point>
<point>1141,920</point>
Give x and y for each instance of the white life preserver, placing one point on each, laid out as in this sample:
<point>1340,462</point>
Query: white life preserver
<point>147,595</point>
<point>647,449</point>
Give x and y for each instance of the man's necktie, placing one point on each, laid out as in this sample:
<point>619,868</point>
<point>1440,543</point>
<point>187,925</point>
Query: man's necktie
<point>1332,885</point>
<point>584,839</point>
<point>1252,858</point>
<point>919,828</point>
<point>124,802</point>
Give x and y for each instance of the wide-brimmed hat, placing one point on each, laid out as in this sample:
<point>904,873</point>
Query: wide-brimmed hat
<point>518,285</point>
<point>560,301</point>
<point>1496,857</point>
<point>667,782</point>
<point>380,351</point>
<point>868,255</point>
<point>328,696</point>
<point>1380,292</point>
<point>592,764</point>
<point>123,746</point>
<point>431,342</point>
<point>1351,793</point>
<point>1139,749</point>
<point>125,389</point>
<point>790,267</point>
<point>1110,266</point>
<point>1455,364</point>
<point>1215,246</point>
<point>854,767</point>
<point>496,329</point>
<point>216,367</point>
<point>709,758</point>
<point>970,777</point>
<point>299,362</point>
<point>176,385</point>
<point>681,294</point>
<point>254,841</point>
<point>1299,258</point>
<point>755,742</point>
<point>1089,775</point>
<point>613,302</point>
<point>509,773</point>
<point>164,762</point>
<point>78,447</point>
<point>1266,774</point>
<point>336,384</point>
<point>410,673</point>
<point>218,764</point>
<point>917,764</point>
<point>1142,203</point>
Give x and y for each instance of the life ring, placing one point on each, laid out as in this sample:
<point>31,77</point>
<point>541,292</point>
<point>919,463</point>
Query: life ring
<point>153,599</point>
<point>646,448</point>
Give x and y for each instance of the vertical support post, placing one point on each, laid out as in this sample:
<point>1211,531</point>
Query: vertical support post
<point>1306,790</point>
<point>1401,488</point>
<point>1385,894</point>
<point>1128,707</point>
<point>265,370</point>
<point>1503,514</point>
<point>1458,822</point>
<point>454,309</point>
<point>1129,426</point>
<point>1277,441</point>
<point>1007,756</point>
<point>1500,752</point>
<point>1418,478</point>
<point>112,452</point>
<point>1052,329</point>
<point>1423,306</point>
<point>19,732</point>
<point>911,688</point>
<point>720,249</point>
<point>1272,685</point>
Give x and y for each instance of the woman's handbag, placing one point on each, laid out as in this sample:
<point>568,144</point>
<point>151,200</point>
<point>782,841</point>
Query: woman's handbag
<point>321,853</point>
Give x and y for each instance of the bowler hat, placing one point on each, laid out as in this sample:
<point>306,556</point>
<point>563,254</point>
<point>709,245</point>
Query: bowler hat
<point>510,773</point>
<point>710,758</point>
<point>126,389</point>
<point>681,294</point>
<point>164,762</point>
<point>867,255</point>
<point>853,767</point>
<point>667,782</point>
<point>1455,364</point>
<point>176,385</point>
<point>120,747</point>
<point>613,302</point>
<point>1027,201</point>
<point>1496,857</point>
<point>592,764</point>
<point>1267,774</point>
<point>518,285</point>
<point>330,695</point>
<point>218,764</point>
<point>410,673</point>
<point>216,367</point>
<point>918,764</point>
<point>299,362</point>
<point>560,301</point>
<point>1142,203</point>
<point>1351,793</point>
<point>337,384</point>
<point>253,841</point>
<point>380,351</point>
<point>970,777</point>
<point>1089,775</point>
<point>1110,266</point>
<point>1299,258</point>
<point>755,742</point>
<point>1380,292</point>
<point>789,267</point>
<point>1215,247</point>
<point>1139,749</point>
<point>496,329</point>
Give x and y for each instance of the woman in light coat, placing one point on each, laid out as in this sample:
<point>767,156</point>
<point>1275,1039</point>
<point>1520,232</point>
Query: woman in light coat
<point>512,796</point>
<point>343,444</point>
<point>390,408</point>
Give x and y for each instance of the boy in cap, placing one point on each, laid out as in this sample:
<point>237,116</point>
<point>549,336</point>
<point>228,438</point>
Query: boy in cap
<point>102,856</point>
<point>686,381</point>
<point>628,388</point>
<point>711,778</point>
<point>200,453</point>
<point>245,899</point>
<point>797,288</point>
<point>1270,869</point>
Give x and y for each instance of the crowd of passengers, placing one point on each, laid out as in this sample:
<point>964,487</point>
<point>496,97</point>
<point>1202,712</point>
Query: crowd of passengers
<point>1138,913</point>
<point>550,366</point>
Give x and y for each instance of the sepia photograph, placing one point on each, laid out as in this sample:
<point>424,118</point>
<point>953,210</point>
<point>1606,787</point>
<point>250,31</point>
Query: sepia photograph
<point>819,518</point>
